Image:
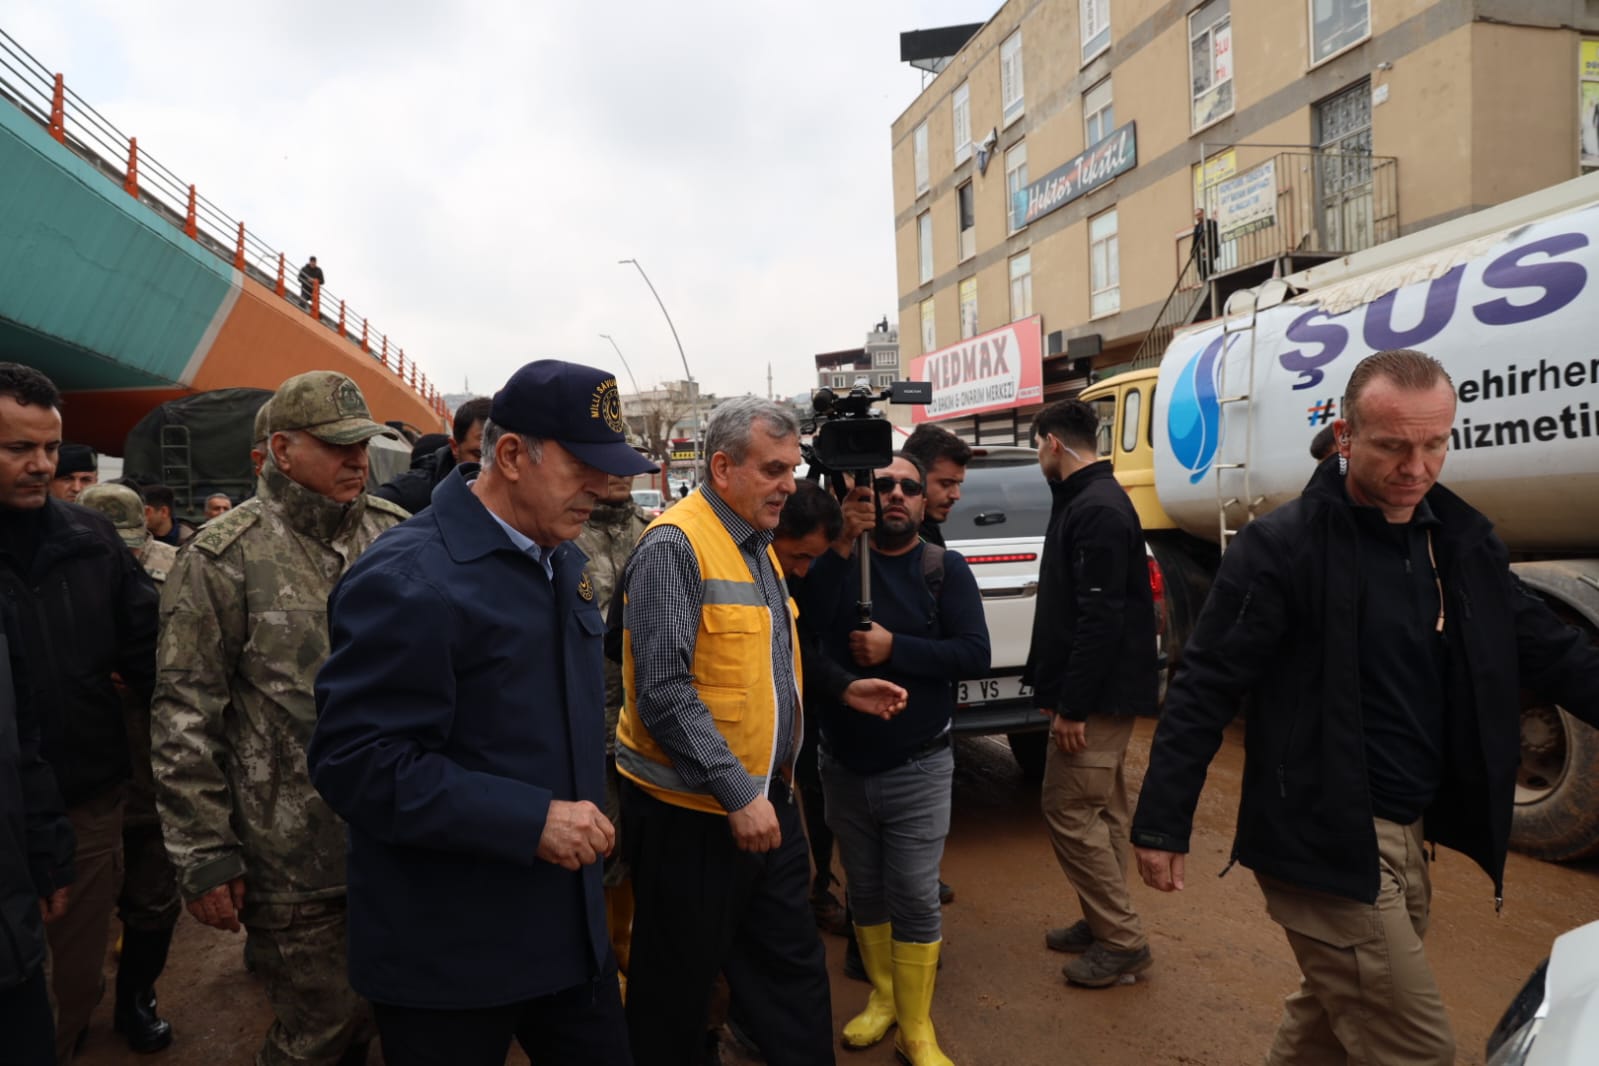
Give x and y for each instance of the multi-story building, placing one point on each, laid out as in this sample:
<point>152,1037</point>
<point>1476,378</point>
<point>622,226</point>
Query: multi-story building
<point>1046,180</point>
<point>876,362</point>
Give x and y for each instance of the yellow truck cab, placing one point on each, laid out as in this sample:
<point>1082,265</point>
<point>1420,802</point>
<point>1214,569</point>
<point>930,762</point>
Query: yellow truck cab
<point>1126,407</point>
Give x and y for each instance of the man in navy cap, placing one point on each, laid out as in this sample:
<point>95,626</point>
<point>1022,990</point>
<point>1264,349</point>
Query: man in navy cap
<point>468,757</point>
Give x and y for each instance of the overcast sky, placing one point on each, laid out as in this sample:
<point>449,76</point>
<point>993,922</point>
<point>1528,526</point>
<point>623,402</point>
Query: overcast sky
<point>469,173</point>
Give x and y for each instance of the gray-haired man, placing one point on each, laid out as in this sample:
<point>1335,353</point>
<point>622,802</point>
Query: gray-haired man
<point>709,730</point>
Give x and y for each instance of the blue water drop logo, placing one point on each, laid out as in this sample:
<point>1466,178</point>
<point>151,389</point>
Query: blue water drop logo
<point>1193,420</point>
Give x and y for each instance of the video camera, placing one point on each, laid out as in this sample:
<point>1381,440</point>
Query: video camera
<point>849,436</point>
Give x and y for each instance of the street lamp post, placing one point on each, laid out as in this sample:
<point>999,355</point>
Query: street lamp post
<point>694,393</point>
<point>623,358</point>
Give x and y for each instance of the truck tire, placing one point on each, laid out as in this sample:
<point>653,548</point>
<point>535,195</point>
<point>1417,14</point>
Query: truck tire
<point>1557,789</point>
<point>1029,750</point>
<point>1556,816</point>
<point>1188,581</point>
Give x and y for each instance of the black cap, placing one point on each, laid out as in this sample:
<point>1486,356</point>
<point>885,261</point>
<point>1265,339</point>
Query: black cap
<point>76,459</point>
<point>576,406</point>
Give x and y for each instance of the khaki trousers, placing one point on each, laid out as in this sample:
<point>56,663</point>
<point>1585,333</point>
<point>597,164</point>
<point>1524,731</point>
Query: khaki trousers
<point>1085,808</point>
<point>78,938</point>
<point>1367,996</point>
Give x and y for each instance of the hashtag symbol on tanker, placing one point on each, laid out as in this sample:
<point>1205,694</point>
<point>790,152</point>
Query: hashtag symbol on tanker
<point>1322,413</point>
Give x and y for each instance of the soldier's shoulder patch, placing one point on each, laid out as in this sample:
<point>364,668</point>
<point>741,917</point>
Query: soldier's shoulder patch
<point>217,535</point>
<point>386,507</point>
<point>158,559</point>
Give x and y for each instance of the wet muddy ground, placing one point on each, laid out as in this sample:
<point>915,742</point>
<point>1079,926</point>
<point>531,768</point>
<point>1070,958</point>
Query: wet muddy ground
<point>1221,966</point>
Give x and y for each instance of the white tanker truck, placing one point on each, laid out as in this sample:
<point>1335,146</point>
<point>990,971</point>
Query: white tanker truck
<point>1508,300</point>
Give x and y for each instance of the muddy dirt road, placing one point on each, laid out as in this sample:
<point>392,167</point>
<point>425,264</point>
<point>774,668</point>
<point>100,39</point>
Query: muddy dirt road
<point>1221,966</point>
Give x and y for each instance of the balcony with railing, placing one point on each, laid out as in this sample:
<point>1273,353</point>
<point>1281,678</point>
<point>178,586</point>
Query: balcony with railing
<point>1288,211</point>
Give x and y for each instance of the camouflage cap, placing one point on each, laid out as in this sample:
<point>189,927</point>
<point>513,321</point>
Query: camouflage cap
<point>325,404</point>
<point>123,506</point>
<point>260,432</point>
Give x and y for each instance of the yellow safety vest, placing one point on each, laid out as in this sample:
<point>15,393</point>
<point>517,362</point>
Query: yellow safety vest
<point>732,665</point>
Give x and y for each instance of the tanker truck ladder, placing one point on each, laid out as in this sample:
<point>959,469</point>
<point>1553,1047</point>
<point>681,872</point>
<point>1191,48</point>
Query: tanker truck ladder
<point>1236,329</point>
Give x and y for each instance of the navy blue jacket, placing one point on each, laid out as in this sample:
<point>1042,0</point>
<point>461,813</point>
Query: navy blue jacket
<point>461,696</point>
<point>936,642</point>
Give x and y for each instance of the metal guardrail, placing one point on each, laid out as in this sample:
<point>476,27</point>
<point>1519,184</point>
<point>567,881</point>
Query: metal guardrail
<point>45,98</point>
<point>1311,203</point>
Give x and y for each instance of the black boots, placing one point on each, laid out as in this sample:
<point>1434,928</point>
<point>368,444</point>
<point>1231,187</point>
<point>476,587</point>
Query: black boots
<point>144,955</point>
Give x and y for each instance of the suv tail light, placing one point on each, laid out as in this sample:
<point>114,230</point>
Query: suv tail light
<point>1157,589</point>
<point>1011,557</point>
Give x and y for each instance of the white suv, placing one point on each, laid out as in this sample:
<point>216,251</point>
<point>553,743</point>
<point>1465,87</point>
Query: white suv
<point>998,525</point>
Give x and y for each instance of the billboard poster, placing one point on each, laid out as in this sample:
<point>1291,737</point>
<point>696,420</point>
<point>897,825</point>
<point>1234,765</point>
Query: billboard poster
<point>1247,202</point>
<point>992,371</point>
<point>1116,153</point>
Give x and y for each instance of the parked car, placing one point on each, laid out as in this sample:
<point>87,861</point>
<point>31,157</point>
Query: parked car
<point>649,501</point>
<point>1554,1019</point>
<point>998,526</point>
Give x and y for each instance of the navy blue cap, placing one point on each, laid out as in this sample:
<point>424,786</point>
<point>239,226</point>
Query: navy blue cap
<point>576,406</point>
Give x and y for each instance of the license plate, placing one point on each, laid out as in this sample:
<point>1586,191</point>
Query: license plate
<point>990,690</point>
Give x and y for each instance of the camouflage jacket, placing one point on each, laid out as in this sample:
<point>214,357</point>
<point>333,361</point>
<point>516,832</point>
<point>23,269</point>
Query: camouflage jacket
<point>157,558</point>
<point>243,633</point>
<point>607,539</point>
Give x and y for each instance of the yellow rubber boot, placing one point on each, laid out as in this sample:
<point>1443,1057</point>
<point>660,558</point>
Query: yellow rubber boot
<point>873,1023</point>
<point>619,919</point>
<point>915,973</point>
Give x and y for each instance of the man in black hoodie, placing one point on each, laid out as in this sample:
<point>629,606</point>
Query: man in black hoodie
<point>1380,642</point>
<point>413,489</point>
<point>1092,669</point>
<point>35,864</point>
<point>86,614</point>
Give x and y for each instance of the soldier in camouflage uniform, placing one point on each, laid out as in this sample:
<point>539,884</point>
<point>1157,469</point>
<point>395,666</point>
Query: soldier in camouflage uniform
<point>243,633</point>
<point>148,904</point>
<point>614,526</point>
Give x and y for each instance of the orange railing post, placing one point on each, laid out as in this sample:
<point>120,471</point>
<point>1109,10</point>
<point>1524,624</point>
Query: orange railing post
<point>316,299</point>
<point>341,319</point>
<point>238,250</point>
<point>385,355</point>
<point>58,110</point>
<point>365,347</point>
<point>413,374</point>
<point>281,289</point>
<point>190,226</point>
<point>131,182</point>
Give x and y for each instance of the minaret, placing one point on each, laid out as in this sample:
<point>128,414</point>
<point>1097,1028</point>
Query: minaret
<point>768,381</point>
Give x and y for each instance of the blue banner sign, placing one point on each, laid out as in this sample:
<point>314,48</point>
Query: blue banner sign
<point>1116,154</point>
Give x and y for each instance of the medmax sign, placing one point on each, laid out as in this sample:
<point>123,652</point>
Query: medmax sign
<point>1115,154</point>
<point>992,371</point>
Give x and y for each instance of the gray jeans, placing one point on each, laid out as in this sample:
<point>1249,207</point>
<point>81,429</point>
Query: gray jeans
<point>891,828</point>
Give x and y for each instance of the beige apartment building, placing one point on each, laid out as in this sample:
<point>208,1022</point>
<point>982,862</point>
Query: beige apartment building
<point>1046,180</point>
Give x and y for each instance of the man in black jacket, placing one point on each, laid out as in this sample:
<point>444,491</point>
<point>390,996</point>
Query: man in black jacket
<point>85,612</point>
<point>35,864</point>
<point>413,489</point>
<point>1380,642</point>
<point>1092,669</point>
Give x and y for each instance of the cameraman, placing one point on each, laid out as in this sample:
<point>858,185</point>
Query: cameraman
<point>887,782</point>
